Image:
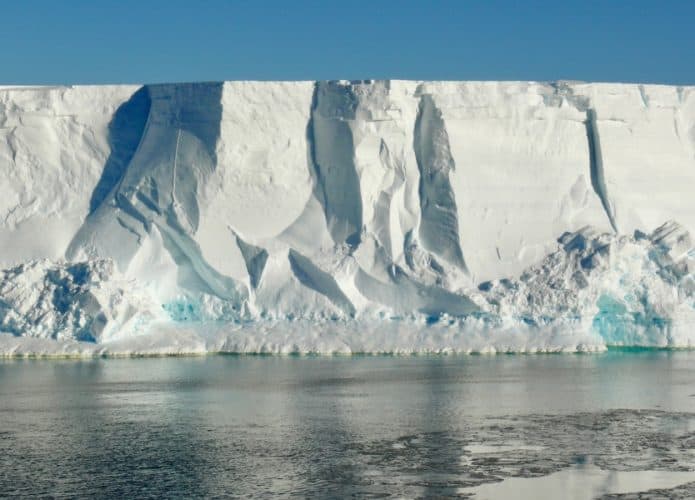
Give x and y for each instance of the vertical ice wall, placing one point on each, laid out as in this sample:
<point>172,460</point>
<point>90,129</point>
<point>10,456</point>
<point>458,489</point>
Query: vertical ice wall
<point>157,196</point>
<point>332,150</point>
<point>54,144</point>
<point>439,227</point>
<point>523,171</point>
<point>336,197</point>
<point>647,149</point>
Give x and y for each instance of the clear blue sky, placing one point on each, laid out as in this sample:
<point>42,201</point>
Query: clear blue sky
<point>75,41</point>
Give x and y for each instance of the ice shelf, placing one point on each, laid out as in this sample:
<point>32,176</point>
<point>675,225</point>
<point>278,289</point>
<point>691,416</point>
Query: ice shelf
<point>363,216</point>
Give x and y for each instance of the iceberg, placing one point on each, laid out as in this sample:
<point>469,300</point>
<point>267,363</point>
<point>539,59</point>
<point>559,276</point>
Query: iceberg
<point>346,216</point>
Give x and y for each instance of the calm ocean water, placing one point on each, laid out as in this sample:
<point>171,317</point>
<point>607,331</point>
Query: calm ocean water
<point>570,426</point>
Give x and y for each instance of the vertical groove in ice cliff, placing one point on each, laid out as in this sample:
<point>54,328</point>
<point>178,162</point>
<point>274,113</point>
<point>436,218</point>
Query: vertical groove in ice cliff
<point>160,185</point>
<point>439,231</point>
<point>582,103</point>
<point>332,150</point>
<point>383,207</point>
<point>598,181</point>
<point>125,132</point>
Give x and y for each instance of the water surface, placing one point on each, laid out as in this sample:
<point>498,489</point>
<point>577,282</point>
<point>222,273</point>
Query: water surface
<point>335,426</point>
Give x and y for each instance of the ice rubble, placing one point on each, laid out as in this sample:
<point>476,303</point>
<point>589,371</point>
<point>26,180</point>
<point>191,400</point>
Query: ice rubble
<point>631,290</point>
<point>85,301</point>
<point>375,216</point>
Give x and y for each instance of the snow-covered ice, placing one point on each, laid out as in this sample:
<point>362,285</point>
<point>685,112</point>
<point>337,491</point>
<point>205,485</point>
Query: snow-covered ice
<point>371,216</point>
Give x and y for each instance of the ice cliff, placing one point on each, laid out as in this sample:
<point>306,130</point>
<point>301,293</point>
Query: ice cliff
<point>387,216</point>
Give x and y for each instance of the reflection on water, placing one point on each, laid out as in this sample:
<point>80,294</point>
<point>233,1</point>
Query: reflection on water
<point>335,426</point>
<point>583,482</point>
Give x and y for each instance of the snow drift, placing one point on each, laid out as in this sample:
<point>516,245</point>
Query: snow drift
<point>371,216</point>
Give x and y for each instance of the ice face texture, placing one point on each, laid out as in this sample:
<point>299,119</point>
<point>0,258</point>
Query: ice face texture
<point>479,205</point>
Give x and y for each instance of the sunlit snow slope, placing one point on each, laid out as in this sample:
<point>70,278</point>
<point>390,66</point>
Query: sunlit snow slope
<point>380,216</point>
